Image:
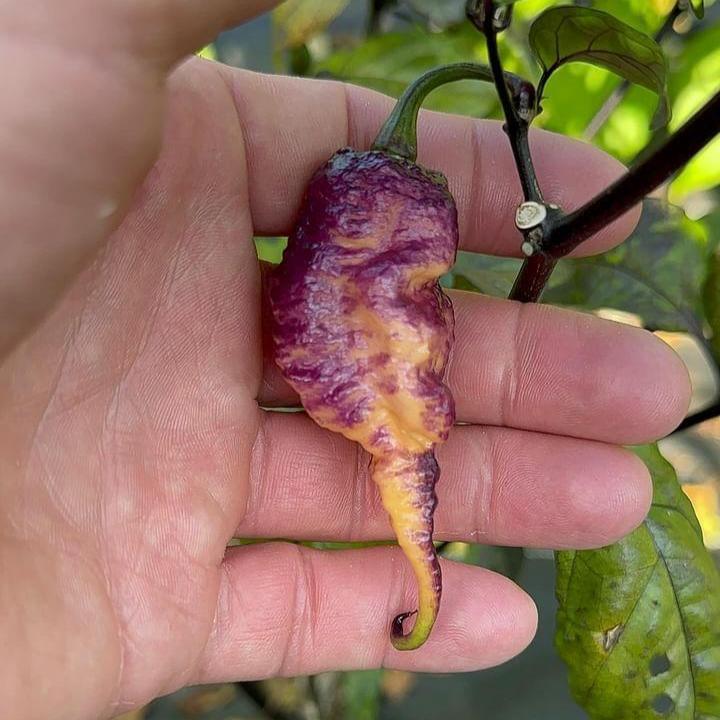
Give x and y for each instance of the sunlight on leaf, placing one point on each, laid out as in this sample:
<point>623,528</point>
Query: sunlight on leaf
<point>299,20</point>
<point>390,62</point>
<point>208,52</point>
<point>701,82</point>
<point>576,34</point>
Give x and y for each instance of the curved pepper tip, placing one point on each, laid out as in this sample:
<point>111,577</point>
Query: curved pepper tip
<point>416,637</point>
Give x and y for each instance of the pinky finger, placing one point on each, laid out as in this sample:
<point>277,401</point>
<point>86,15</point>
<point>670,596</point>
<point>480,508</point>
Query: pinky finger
<point>285,610</point>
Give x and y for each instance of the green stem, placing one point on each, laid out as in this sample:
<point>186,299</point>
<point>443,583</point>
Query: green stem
<point>398,135</point>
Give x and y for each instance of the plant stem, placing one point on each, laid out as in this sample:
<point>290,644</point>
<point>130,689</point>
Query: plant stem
<point>640,180</point>
<point>536,270</point>
<point>399,133</point>
<point>564,233</point>
<point>607,108</point>
<point>532,278</point>
<point>516,126</point>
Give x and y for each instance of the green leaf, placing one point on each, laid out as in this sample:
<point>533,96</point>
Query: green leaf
<point>658,273</point>
<point>483,273</point>
<point>390,62</point>
<point>270,249</point>
<point>575,34</point>
<point>694,80</point>
<point>299,20</point>
<point>208,52</point>
<point>639,621</point>
<point>360,691</point>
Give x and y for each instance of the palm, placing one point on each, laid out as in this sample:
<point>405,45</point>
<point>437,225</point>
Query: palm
<point>146,402</point>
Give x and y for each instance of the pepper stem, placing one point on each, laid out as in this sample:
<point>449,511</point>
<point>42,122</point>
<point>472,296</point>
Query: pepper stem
<point>398,135</point>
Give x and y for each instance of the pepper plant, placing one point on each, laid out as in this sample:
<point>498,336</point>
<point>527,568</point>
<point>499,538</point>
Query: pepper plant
<point>639,621</point>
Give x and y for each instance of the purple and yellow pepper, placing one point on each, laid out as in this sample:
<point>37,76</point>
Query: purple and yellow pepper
<point>362,330</point>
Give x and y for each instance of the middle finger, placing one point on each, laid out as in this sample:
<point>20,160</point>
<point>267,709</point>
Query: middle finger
<point>550,370</point>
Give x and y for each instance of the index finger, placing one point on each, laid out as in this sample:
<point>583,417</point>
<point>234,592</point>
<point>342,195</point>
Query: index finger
<point>293,125</point>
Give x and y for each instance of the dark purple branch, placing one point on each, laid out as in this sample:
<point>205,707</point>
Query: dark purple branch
<point>639,181</point>
<point>518,101</point>
<point>532,278</point>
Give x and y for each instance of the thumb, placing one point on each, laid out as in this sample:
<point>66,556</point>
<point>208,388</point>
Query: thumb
<point>80,125</point>
<point>166,30</point>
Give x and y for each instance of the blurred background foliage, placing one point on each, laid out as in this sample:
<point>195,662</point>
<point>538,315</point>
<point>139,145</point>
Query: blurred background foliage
<point>665,278</point>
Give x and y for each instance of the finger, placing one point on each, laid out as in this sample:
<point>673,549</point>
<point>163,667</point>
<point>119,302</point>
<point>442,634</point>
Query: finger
<point>80,126</point>
<point>285,610</point>
<point>500,487</point>
<point>551,370</point>
<point>281,117</point>
<point>163,31</point>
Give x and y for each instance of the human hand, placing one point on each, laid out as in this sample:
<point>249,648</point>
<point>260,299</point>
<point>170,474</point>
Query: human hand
<point>132,444</point>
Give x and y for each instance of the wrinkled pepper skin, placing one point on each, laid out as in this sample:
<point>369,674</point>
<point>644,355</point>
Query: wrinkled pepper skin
<point>363,333</point>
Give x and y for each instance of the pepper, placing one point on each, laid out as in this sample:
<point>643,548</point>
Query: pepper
<point>362,329</point>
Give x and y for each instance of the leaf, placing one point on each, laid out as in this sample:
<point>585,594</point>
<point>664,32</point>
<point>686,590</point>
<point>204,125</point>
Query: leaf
<point>657,274</point>
<point>390,62</point>
<point>270,249</point>
<point>575,34</point>
<point>299,20</point>
<point>208,52</point>
<point>639,621</point>
<point>695,79</point>
<point>361,694</point>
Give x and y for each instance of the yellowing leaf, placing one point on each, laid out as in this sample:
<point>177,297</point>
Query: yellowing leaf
<point>639,621</point>
<point>300,20</point>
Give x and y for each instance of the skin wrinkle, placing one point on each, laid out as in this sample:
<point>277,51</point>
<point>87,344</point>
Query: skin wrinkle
<point>359,492</point>
<point>512,371</point>
<point>115,698</point>
<point>476,168</point>
<point>297,606</point>
<point>483,505</point>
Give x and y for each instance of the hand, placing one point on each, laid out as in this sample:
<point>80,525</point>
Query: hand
<point>132,445</point>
